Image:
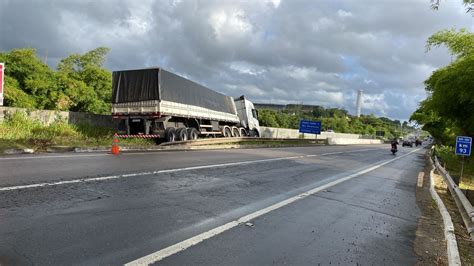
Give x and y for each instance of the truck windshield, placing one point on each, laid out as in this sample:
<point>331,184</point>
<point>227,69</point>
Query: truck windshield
<point>254,113</point>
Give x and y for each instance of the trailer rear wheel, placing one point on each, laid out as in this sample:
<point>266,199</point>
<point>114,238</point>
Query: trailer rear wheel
<point>182,134</point>
<point>193,133</point>
<point>235,132</point>
<point>170,134</point>
<point>227,132</point>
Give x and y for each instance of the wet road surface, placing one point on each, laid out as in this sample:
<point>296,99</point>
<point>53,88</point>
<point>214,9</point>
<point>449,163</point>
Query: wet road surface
<point>367,219</point>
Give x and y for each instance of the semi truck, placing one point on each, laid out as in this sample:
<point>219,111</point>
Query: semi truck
<point>155,103</point>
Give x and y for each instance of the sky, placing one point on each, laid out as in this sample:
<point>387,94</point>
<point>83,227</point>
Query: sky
<point>317,52</point>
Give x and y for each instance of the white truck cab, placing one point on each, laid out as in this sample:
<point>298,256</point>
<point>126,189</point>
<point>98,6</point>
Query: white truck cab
<point>248,116</point>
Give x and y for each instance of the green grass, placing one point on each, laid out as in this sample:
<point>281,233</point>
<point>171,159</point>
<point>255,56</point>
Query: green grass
<point>19,131</point>
<point>453,165</point>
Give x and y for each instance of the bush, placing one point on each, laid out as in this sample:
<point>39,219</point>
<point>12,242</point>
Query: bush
<point>18,130</point>
<point>452,162</point>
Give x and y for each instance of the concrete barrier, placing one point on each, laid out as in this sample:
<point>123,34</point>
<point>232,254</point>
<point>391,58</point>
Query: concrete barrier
<point>49,116</point>
<point>273,132</point>
<point>281,133</point>
<point>349,141</point>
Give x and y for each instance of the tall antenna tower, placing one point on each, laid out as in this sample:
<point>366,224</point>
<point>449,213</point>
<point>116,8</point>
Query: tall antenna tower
<point>359,103</point>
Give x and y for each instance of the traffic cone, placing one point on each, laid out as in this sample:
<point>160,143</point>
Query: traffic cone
<point>115,147</point>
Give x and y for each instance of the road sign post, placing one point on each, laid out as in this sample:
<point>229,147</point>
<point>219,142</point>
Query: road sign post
<point>463,148</point>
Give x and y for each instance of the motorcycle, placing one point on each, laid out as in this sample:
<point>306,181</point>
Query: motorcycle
<point>394,150</point>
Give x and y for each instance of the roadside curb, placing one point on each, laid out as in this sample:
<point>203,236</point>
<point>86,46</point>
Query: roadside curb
<point>189,148</point>
<point>450,237</point>
<point>18,151</point>
<point>181,147</point>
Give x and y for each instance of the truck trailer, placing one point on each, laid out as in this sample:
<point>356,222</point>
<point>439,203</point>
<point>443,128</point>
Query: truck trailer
<point>155,103</point>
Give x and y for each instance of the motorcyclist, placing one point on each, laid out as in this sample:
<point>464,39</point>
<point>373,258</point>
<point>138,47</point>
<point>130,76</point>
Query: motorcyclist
<point>394,144</point>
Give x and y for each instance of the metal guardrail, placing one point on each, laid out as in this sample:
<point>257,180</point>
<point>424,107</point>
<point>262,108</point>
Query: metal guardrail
<point>464,205</point>
<point>212,141</point>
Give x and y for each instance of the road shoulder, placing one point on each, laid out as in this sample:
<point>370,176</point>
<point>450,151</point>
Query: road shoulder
<point>464,243</point>
<point>429,242</point>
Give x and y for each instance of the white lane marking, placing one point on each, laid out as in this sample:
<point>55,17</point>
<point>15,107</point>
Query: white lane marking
<point>94,179</point>
<point>185,244</point>
<point>339,152</point>
<point>420,179</point>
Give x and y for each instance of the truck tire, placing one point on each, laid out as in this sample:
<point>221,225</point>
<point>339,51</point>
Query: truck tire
<point>254,133</point>
<point>170,134</point>
<point>227,132</point>
<point>182,134</point>
<point>243,132</point>
<point>235,132</point>
<point>193,134</point>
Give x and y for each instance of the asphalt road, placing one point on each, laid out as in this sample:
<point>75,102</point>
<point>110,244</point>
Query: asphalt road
<point>308,206</point>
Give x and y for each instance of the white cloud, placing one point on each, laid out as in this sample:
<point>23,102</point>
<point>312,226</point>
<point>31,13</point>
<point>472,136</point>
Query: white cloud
<point>375,103</point>
<point>343,13</point>
<point>229,24</point>
<point>246,68</point>
<point>275,3</point>
<point>316,52</point>
<point>329,97</point>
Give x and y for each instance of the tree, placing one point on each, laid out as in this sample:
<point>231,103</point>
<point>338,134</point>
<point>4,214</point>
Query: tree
<point>15,97</point>
<point>28,75</point>
<point>460,44</point>
<point>451,102</point>
<point>469,4</point>
<point>80,84</point>
<point>86,82</point>
<point>442,130</point>
<point>268,118</point>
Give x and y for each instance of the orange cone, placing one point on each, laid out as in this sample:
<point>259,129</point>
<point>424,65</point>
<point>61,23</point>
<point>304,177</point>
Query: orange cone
<point>115,147</point>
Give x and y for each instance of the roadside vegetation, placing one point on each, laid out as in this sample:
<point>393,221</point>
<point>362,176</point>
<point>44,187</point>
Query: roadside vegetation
<point>448,111</point>
<point>18,131</point>
<point>80,83</point>
<point>452,163</point>
<point>336,119</point>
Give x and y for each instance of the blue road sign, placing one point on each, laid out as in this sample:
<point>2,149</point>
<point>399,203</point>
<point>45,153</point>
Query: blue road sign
<point>463,145</point>
<point>312,127</point>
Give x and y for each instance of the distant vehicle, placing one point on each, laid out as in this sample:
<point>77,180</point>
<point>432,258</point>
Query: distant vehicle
<point>408,143</point>
<point>418,142</point>
<point>330,131</point>
<point>155,103</point>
